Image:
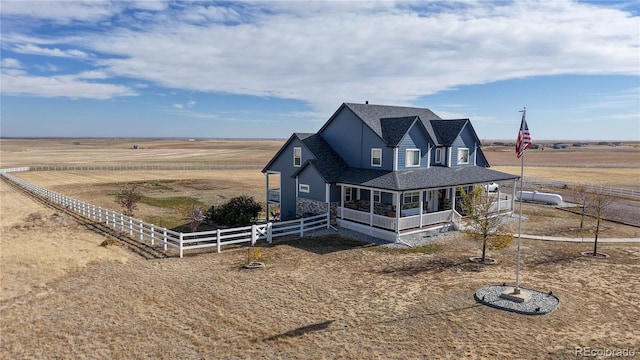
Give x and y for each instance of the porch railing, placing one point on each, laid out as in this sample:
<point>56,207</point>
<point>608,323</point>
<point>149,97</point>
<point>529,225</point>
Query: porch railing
<point>389,223</point>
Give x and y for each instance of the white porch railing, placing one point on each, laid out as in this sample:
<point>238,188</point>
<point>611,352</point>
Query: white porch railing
<point>389,223</point>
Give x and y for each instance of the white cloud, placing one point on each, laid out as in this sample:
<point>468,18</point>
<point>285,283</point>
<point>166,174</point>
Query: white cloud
<point>71,86</point>
<point>10,63</point>
<point>178,106</point>
<point>325,53</point>
<point>55,52</point>
<point>60,11</point>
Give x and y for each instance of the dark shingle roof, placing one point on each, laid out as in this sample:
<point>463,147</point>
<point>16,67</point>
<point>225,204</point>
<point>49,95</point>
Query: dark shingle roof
<point>372,114</point>
<point>435,177</point>
<point>329,164</point>
<point>394,129</point>
<point>448,130</point>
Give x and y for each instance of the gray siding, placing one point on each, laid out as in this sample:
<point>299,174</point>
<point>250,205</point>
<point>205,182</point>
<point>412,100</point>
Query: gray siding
<point>464,140</point>
<point>352,140</point>
<point>284,164</point>
<point>317,188</point>
<point>415,139</point>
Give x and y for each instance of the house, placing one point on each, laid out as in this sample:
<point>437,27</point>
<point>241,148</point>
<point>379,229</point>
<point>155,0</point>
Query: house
<point>382,170</point>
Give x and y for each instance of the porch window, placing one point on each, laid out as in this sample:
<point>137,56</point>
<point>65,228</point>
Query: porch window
<point>376,197</point>
<point>304,188</point>
<point>411,197</point>
<point>376,157</point>
<point>439,155</point>
<point>463,156</point>
<point>413,158</point>
<point>348,194</point>
<point>297,156</point>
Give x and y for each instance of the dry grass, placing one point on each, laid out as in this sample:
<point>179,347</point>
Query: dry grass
<point>65,296</point>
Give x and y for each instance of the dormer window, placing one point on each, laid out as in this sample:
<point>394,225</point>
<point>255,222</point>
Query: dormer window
<point>413,158</point>
<point>376,157</point>
<point>439,159</point>
<point>297,156</point>
<point>463,156</point>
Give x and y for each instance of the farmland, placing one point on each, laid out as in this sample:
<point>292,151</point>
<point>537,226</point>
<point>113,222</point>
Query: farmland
<point>65,296</point>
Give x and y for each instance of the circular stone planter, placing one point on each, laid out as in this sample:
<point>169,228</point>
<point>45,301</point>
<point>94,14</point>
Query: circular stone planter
<point>598,255</point>
<point>540,302</point>
<point>487,261</point>
<point>253,265</point>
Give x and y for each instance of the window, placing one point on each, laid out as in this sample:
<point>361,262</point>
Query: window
<point>348,194</point>
<point>304,188</point>
<point>297,156</point>
<point>438,155</point>
<point>463,156</point>
<point>413,158</point>
<point>376,157</point>
<point>411,197</point>
<point>376,196</point>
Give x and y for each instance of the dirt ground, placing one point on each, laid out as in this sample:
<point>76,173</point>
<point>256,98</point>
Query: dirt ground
<point>65,296</point>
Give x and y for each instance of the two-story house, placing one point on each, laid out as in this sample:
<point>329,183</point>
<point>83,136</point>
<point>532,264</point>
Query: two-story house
<point>382,170</point>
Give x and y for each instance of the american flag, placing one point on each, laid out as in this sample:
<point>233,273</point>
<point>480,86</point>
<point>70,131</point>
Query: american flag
<point>524,137</point>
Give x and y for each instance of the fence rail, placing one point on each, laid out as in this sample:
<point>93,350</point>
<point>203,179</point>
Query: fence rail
<point>157,236</point>
<point>633,194</point>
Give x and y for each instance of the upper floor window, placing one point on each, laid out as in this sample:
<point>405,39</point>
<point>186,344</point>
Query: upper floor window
<point>376,157</point>
<point>463,156</point>
<point>413,158</point>
<point>439,158</point>
<point>297,156</point>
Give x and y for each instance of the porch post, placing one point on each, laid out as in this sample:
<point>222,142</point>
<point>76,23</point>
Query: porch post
<point>342,201</point>
<point>266,175</point>
<point>371,207</point>
<point>421,205</point>
<point>398,212</point>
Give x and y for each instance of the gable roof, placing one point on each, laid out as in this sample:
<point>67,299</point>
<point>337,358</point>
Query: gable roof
<point>432,178</point>
<point>327,162</point>
<point>448,130</point>
<point>372,115</point>
<point>394,129</point>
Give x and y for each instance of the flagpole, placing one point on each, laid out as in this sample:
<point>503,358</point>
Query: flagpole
<point>517,288</point>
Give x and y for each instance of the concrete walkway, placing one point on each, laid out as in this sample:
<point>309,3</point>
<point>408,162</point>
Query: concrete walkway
<point>586,239</point>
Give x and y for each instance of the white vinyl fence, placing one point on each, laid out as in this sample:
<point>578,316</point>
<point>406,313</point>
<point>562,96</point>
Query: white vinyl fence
<point>157,236</point>
<point>611,191</point>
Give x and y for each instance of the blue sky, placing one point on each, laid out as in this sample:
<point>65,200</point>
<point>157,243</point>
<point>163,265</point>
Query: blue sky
<point>266,69</point>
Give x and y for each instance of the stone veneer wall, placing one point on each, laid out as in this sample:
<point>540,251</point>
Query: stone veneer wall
<point>316,208</point>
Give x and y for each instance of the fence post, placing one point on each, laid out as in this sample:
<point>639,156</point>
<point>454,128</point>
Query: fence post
<point>218,240</point>
<point>329,217</point>
<point>301,227</point>
<point>164,233</point>
<point>130,226</point>
<point>153,235</point>
<point>181,248</point>
<point>141,232</point>
<point>254,238</point>
<point>269,232</point>
<point>121,222</point>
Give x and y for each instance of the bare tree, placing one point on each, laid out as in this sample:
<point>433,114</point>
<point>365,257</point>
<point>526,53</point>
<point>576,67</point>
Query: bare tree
<point>583,199</point>
<point>196,217</point>
<point>599,205</point>
<point>128,198</point>
<point>484,225</point>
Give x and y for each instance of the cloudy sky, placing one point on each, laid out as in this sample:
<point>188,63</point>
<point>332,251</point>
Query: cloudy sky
<point>266,69</point>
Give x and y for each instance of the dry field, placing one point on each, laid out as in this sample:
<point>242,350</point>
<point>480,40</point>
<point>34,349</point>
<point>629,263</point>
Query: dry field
<point>65,296</point>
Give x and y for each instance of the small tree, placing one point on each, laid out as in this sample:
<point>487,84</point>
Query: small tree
<point>195,217</point>
<point>599,205</point>
<point>583,199</point>
<point>128,198</point>
<point>238,211</point>
<point>484,226</point>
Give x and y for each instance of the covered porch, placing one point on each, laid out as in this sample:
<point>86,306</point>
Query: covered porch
<point>391,214</point>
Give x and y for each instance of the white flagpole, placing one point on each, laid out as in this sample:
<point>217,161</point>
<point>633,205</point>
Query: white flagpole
<point>517,288</point>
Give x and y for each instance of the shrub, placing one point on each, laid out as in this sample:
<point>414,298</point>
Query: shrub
<point>238,211</point>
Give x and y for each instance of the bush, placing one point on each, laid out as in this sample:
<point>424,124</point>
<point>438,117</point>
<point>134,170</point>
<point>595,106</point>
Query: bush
<point>238,211</point>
